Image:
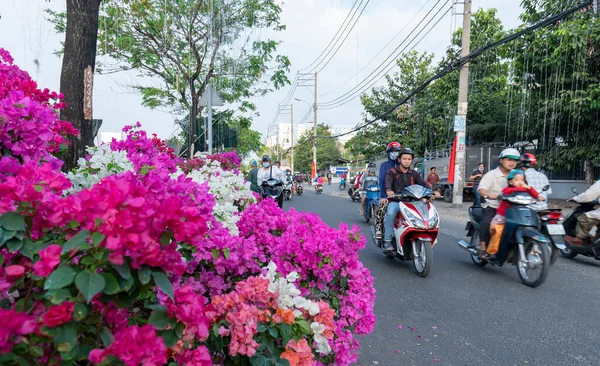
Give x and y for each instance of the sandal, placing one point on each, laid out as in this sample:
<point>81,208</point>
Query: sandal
<point>483,254</point>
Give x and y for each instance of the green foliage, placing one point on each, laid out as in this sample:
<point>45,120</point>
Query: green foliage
<point>327,150</point>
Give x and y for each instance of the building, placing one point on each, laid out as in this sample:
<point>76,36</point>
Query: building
<point>283,135</point>
<point>106,137</point>
<point>343,139</point>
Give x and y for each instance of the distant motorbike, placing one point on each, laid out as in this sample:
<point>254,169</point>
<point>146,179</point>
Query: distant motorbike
<point>527,247</point>
<point>415,229</point>
<point>590,247</point>
<point>287,191</point>
<point>372,202</point>
<point>299,189</point>
<point>273,188</point>
<point>354,194</point>
<point>343,185</point>
<point>318,188</point>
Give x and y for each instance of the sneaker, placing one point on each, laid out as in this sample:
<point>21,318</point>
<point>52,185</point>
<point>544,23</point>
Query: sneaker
<point>388,247</point>
<point>378,235</point>
<point>573,240</point>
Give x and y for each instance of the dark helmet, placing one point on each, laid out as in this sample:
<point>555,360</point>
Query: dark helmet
<point>277,162</point>
<point>372,165</point>
<point>266,158</point>
<point>528,160</point>
<point>394,146</point>
<point>405,151</point>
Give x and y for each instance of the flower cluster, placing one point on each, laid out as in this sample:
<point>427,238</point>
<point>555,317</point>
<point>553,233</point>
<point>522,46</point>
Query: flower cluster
<point>15,325</point>
<point>101,162</point>
<point>134,346</point>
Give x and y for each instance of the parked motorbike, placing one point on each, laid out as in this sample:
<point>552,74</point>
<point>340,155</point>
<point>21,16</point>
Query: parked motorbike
<point>299,189</point>
<point>415,229</point>
<point>273,188</point>
<point>343,185</point>
<point>371,202</point>
<point>590,248</point>
<point>354,194</point>
<point>287,191</point>
<point>527,247</point>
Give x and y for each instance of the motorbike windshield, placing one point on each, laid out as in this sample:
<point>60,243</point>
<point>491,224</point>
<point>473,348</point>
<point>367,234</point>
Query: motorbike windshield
<point>417,192</point>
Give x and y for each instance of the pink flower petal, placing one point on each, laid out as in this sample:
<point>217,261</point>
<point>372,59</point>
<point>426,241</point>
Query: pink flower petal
<point>436,360</point>
<point>412,329</point>
<point>401,326</point>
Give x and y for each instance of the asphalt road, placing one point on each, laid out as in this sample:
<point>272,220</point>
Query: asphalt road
<point>464,315</point>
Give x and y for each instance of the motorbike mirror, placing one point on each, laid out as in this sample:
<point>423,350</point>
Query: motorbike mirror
<point>546,187</point>
<point>574,190</point>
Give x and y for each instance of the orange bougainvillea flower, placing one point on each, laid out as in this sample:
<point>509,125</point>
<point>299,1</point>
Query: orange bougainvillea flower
<point>288,317</point>
<point>291,356</point>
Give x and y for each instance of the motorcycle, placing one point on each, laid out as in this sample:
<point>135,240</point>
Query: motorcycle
<point>299,189</point>
<point>318,188</point>
<point>527,247</point>
<point>371,202</point>
<point>354,194</point>
<point>272,188</point>
<point>590,247</point>
<point>415,229</point>
<point>287,191</point>
<point>343,185</point>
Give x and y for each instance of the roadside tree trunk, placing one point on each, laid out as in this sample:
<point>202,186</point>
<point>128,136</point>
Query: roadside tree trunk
<point>589,172</point>
<point>79,53</point>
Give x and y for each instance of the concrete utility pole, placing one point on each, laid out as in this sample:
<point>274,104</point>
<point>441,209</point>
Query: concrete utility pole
<point>292,136</point>
<point>461,115</point>
<point>315,128</point>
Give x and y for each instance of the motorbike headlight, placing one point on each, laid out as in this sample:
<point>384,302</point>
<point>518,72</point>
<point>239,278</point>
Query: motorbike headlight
<point>414,220</point>
<point>434,221</point>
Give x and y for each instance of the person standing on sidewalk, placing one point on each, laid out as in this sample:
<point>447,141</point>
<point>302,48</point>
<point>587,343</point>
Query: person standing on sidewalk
<point>476,178</point>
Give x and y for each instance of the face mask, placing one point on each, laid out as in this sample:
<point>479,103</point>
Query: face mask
<point>266,164</point>
<point>481,169</point>
<point>394,155</point>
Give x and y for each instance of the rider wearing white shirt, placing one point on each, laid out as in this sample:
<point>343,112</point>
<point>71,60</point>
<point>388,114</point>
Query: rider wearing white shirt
<point>268,171</point>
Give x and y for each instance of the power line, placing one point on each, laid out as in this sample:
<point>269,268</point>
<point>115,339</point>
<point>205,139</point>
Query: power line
<point>391,58</point>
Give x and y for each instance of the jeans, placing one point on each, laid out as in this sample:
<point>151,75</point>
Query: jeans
<point>477,201</point>
<point>392,211</point>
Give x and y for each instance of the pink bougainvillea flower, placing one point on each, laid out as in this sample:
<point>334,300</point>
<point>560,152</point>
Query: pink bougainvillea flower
<point>49,259</point>
<point>58,314</point>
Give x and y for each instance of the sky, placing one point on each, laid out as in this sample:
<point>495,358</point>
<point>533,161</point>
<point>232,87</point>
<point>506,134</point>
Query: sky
<point>311,24</point>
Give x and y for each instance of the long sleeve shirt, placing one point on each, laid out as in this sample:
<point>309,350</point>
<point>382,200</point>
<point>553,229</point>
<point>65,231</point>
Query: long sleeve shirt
<point>253,179</point>
<point>396,180</point>
<point>504,205</point>
<point>383,169</point>
<point>591,194</point>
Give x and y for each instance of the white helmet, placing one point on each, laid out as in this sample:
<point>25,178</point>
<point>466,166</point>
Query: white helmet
<point>510,153</point>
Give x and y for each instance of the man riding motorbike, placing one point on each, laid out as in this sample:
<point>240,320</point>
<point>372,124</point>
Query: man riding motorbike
<point>269,171</point>
<point>395,181</point>
<point>587,221</point>
<point>490,187</point>
<point>368,180</point>
<point>537,180</point>
<point>392,151</point>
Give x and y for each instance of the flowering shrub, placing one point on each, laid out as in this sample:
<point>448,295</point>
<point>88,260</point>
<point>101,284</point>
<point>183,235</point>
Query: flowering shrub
<point>139,258</point>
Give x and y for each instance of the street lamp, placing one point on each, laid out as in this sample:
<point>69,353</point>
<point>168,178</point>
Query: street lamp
<point>314,135</point>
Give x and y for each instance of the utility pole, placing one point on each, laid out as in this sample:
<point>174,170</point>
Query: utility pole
<point>315,128</point>
<point>461,115</point>
<point>292,136</point>
<point>278,146</point>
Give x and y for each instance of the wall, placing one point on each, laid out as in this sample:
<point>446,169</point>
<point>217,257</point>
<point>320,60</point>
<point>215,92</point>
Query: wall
<point>561,189</point>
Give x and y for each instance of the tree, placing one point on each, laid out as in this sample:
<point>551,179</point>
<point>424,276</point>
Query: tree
<point>248,140</point>
<point>81,32</point>
<point>327,150</point>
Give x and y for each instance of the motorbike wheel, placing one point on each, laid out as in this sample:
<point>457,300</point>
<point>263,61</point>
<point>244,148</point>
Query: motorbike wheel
<point>474,257</point>
<point>533,277</point>
<point>342,187</point>
<point>422,258</point>
<point>568,253</point>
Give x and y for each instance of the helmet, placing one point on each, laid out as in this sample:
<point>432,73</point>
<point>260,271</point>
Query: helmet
<point>407,150</point>
<point>371,168</point>
<point>394,146</point>
<point>513,173</point>
<point>253,163</point>
<point>266,158</point>
<point>528,160</point>
<point>510,153</point>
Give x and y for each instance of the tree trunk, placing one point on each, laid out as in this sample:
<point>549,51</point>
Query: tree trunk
<point>589,172</point>
<point>79,53</point>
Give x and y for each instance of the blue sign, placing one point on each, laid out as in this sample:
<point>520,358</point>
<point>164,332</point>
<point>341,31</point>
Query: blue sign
<point>341,170</point>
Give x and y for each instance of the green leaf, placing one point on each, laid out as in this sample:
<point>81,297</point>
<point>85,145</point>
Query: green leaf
<point>97,238</point>
<point>12,221</point>
<point>163,283</point>
<point>59,296</point>
<point>170,338</point>
<point>112,286</point>
<point>179,329</point>
<point>87,260</point>
<point>125,284</point>
<point>286,332</point>
<point>144,275</point>
<point>159,319</point>
<point>226,253</point>
<point>144,170</point>
<point>274,332</point>
<point>8,234</point>
<point>89,284</point>
<point>61,277</point>
<point>14,244</point>
<point>123,270</point>
<point>76,240</point>
<point>66,338</point>
<point>261,328</point>
<point>215,253</point>
<point>260,360</point>
<point>107,337</point>
<point>80,312</point>
<point>165,238</point>
<point>28,249</point>
<point>303,325</point>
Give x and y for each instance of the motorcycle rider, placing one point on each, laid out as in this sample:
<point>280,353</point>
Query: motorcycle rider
<point>537,180</point>
<point>392,151</point>
<point>587,221</point>
<point>368,180</point>
<point>395,181</point>
<point>269,171</point>
<point>253,177</point>
<point>290,179</point>
<point>490,187</point>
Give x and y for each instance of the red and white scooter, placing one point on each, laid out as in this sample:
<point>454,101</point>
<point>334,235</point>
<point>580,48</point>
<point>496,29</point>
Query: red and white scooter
<point>415,228</point>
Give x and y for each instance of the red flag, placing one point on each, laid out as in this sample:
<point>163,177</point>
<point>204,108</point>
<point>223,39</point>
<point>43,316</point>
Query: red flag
<point>452,160</point>
<point>313,170</point>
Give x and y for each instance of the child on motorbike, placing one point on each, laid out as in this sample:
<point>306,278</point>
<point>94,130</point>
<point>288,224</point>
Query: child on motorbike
<point>516,183</point>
